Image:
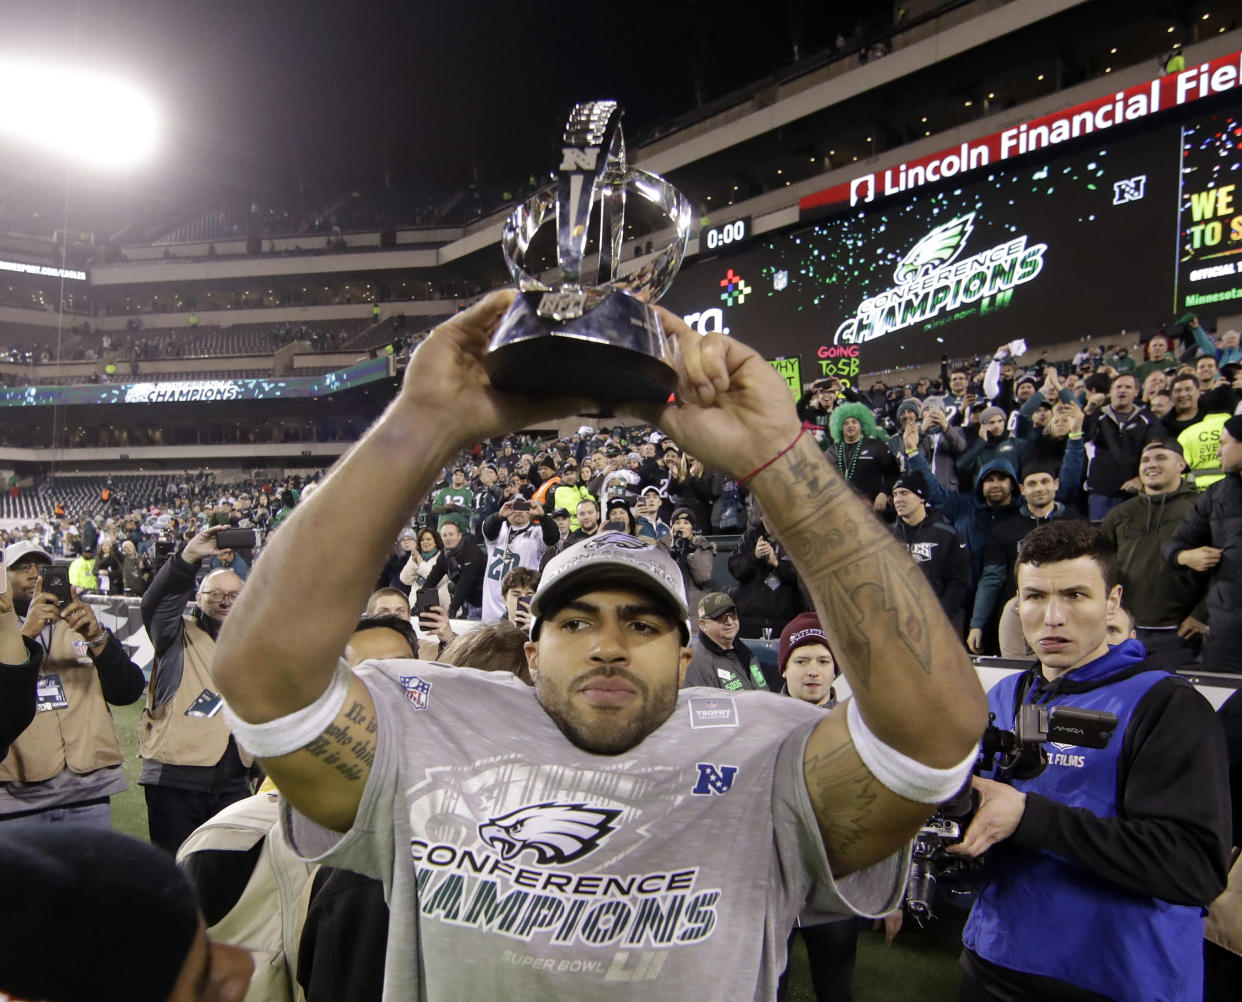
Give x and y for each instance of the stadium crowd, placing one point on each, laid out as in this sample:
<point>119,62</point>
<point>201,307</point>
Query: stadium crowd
<point>961,467</point>
<point>1126,458</point>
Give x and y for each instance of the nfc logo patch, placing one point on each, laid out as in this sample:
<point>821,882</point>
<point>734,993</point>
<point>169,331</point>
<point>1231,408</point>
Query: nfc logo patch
<point>1132,189</point>
<point>714,780</point>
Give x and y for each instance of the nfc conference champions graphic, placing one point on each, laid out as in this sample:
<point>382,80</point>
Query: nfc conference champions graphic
<point>1038,251</point>
<point>931,280</point>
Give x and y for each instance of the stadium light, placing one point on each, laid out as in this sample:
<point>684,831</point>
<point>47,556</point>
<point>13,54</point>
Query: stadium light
<point>95,119</point>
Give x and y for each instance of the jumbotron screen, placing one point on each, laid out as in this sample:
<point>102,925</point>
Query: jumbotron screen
<point>1209,256</point>
<point>1047,250</point>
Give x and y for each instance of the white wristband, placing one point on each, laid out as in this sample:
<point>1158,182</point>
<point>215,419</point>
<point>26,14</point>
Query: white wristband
<point>287,734</point>
<point>905,776</point>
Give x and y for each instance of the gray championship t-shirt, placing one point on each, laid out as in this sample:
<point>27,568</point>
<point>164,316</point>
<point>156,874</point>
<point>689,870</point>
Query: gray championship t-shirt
<point>518,866</point>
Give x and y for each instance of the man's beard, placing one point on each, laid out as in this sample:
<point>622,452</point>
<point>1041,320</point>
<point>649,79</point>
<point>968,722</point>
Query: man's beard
<point>613,735</point>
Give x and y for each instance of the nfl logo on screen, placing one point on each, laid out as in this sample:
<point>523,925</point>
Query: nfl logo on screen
<point>416,690</point>
<point>780,280</point>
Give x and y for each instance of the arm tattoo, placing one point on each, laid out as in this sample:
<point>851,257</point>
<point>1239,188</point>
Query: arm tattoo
<point>347,743</point>
<point>844,794</point>
<point>868,587</point>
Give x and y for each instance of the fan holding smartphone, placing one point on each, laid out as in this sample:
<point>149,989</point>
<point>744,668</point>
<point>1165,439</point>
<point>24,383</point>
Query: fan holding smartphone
<point>71,745</point>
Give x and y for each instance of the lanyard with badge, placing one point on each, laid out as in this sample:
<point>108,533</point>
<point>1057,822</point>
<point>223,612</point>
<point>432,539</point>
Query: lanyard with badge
<point>49,689</point>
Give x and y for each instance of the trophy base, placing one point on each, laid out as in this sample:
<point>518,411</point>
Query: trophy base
<point>615,352</point>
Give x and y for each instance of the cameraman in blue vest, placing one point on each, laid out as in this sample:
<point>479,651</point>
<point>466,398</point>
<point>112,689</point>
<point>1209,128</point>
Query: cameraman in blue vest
<point>1103,861</point>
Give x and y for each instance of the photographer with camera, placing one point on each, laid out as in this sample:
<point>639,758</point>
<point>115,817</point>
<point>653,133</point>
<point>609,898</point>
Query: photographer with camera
<point>1102,857</point>
<point>68,761</point>
<point>191,765</point>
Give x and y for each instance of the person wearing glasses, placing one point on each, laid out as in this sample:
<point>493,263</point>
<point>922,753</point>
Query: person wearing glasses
<point>192,767</point>
<point>720,659</point>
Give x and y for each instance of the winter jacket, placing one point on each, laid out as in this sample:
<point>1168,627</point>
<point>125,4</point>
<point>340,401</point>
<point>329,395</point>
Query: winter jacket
<point>942,556</point>
<point>985,450</point>
<point>997,582</point>
<point>939,448</point>
<point>1223,356</point>
<point>972,517</point>
<point>766,596</point>
<point>694,493</point>
<point>110,566</point>
<point>735,669</point>
<point>696,559</point>
<point>487,501</point>
<point>728,503</point>
<point>1118,444</point>
<point>867,465</point>
<point>1118,848</point>
<point>1216,520</point>
<point>1155,594</point>
<point>465,567</point>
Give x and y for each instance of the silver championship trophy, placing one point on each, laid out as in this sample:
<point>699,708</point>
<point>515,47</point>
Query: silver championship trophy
<point>593,333</point>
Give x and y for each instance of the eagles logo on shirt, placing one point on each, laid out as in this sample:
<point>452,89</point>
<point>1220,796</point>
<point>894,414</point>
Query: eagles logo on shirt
<point>555,833</point>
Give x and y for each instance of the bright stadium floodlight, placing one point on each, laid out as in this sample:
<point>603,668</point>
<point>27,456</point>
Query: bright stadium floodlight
<point>94,119</point>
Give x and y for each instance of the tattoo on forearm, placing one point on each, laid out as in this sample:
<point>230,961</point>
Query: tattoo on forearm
<point>844,794</point>
<point>811,476</point>
<point>346,747</point>
<point>851,563</point>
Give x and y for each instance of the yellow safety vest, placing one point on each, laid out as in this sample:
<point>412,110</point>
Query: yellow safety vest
<point>1201,446</point>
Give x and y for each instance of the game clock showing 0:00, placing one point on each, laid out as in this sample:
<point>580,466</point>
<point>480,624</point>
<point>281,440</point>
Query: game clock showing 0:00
<point>726,234</point>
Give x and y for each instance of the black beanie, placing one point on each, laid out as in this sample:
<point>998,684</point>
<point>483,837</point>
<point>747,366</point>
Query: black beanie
<point>90,914</point>
<point>683,512</point>
<point>913,481</point>
<point>1234,427</point>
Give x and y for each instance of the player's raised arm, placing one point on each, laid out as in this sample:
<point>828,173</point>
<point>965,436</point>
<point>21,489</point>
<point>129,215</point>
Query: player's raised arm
<point>276,658</point>
<point>919,706</point>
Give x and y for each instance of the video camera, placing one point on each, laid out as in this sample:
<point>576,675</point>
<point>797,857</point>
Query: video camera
<point>1017,754</point>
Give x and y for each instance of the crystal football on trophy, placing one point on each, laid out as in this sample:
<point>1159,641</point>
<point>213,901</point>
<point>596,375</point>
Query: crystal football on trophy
<point>593,332</point>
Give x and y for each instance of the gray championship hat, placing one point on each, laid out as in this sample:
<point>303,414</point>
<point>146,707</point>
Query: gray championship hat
<point>608,560</point>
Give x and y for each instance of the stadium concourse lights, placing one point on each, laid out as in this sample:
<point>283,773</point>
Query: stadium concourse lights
<point>96,120</point>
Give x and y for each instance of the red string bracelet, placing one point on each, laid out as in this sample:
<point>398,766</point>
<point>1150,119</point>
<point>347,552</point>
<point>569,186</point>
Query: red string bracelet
<point>756,472</point>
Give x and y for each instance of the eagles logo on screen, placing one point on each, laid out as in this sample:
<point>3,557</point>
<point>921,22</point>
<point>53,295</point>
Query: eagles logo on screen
<point>936,249</point>
<point>555,833</point>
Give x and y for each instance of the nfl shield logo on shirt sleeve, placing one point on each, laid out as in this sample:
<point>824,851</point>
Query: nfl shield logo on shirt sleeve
<point>417,690</point>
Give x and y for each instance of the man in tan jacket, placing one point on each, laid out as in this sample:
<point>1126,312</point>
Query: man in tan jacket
<point>191,766</point>
<point>68,762</point>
